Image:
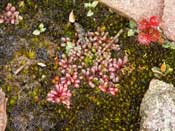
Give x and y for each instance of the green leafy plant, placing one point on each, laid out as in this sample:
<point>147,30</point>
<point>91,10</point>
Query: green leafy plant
<point>90,6</point>
<point>132,28</point>
<point>162,71</point>
<point>169,45</point>
<point>69,46</point>
<point>39,30</point>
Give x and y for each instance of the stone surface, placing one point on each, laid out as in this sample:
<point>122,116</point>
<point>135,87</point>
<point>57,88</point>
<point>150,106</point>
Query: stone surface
<point>139,9</point>
<point>168,19</point>
<point>136,9</point>
<point>157,109</point>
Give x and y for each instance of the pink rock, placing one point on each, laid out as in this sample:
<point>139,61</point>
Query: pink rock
<point>1,20</point>
<point>168,19</point>
<point>139,9</point>
<point>3,115</point>
<point>136,9</point>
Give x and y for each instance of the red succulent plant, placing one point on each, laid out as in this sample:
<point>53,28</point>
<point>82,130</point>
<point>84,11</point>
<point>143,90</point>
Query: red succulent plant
<point>60,94</point>
<point>10,15</point>
<point>88,61</point>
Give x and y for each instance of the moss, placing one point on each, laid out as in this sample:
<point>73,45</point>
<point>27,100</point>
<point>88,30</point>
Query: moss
<point>13,100</point>
<point>30,54</point>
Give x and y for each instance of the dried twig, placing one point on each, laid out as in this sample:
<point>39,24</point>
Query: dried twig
<point>115,39</point>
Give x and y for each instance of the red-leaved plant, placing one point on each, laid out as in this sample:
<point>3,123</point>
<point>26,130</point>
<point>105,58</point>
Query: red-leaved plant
<point>148,31</point>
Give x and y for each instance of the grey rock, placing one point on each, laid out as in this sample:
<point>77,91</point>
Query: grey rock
<point>42,54</point>
<point>30,120</point>
<point>157,109</point>
<point>9,45</point>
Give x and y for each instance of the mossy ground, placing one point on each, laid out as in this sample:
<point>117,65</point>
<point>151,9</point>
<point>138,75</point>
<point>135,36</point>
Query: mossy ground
<point>91,110</point>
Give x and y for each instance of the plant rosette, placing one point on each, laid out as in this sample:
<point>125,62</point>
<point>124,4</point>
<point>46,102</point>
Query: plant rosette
<point>39,30</point>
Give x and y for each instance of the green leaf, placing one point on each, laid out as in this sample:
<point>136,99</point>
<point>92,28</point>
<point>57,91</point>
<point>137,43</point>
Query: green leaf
<point>91,5</point>
<point>36,32</point>
<point>168,44</point>
<point>132,24</point>
<point>69,46</point>
<point>87,5</point>
<point>131,32</point>
<point>157,71</point>
<point>169,69</point>
<point>90,13</point>
<point>94,4</point>
<point>42,29</point>
<point>41,26</point>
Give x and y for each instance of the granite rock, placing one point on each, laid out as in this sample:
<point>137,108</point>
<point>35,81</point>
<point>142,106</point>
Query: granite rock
<point>157,109</point>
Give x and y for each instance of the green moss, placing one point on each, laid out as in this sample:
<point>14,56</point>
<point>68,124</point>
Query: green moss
<point>13,100</point>
<point>31,54</point>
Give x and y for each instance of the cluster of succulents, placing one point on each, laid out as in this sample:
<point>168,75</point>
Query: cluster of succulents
<point>10,15</point>
<point>87,60</point>
<point>149,31</point>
